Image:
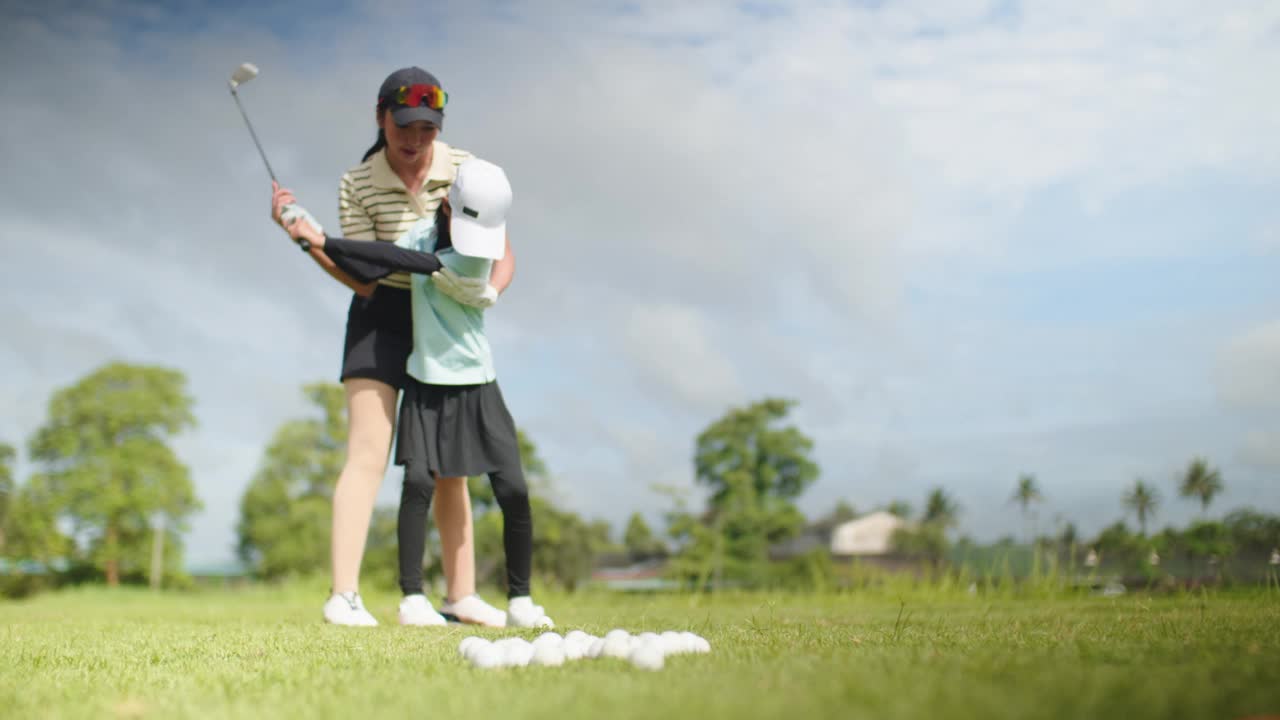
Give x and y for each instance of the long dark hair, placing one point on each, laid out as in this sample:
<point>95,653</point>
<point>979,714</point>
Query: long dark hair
<point>381,142</point>
<point>377,145</point>
<point>443,213</point>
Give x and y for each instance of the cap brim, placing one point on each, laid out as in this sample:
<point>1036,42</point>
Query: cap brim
<point>475,240</point>
<point>405,115</point>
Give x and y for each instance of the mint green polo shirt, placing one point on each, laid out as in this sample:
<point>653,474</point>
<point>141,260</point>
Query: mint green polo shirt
<point>449,344</point>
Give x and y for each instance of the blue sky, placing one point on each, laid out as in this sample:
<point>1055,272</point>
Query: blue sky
<point>972,239</point>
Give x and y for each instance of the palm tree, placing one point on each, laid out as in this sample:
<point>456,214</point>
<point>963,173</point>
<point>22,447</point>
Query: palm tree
<point>1202,482</point>
<point>1025,494</point>
<point>901,508</point>
<point>940,509</point>
<point>1142,500</point>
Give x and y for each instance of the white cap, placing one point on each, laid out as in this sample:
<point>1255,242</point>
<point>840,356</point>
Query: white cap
<point>480,198</point>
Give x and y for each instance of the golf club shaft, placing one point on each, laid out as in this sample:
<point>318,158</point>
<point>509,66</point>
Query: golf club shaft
<point>253,134</point>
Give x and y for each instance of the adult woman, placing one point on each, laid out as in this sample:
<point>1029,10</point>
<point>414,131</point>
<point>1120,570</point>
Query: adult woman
<point>402,180</point>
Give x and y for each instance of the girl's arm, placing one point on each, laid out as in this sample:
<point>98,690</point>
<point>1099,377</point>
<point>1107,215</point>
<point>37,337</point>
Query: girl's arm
<point>383,258</point>
<point>503,270</point>
<point>365,260</point>
<point>363,288</point>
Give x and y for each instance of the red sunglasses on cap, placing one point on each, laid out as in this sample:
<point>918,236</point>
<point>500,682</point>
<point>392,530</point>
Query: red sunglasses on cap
<point>417,95</point>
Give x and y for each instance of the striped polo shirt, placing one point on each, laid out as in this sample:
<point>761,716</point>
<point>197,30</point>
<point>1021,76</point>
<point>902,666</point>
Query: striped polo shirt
<point>374,204</point>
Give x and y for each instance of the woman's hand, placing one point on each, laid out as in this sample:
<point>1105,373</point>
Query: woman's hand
<point>296,221</point>
<point>279,198</point>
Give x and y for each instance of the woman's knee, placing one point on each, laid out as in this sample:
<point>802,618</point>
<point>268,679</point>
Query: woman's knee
<point>370,407</point>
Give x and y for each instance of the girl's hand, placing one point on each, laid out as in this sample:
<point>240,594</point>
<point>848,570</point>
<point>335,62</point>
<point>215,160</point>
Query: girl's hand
<point>476,292</point>
<point>301,226</point>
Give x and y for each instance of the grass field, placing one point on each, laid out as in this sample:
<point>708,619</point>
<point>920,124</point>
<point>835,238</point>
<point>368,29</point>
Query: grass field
<point>263,652</point>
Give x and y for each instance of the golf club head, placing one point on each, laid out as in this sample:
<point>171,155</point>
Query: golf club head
<point>243,74</point>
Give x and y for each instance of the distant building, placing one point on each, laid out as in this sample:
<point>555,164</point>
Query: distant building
<point>869,535</point>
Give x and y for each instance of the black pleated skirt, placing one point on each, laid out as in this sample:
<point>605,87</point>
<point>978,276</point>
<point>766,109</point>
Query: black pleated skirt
<point>456,430</point>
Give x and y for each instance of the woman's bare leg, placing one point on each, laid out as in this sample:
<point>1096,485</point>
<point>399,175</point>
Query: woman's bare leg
<point>370,411</point>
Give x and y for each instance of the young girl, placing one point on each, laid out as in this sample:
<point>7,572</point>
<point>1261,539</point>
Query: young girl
<point>453,420</point>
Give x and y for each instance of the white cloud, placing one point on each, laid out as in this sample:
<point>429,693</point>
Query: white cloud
<point>1262,449</point>
<point>673,349</point>
<point>1249,373</point>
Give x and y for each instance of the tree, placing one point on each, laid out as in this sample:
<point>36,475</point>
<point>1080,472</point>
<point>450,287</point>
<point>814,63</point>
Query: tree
<point>842,513</point>
<point>32,535</point>
<point>107,465</point>
<point>901,508</point>
<point>1202,482</point>
<point>1253,532</point>
<point>286,512</point>
<point>744,453</point>
<point>1026,494</point>
<point>940,509</point>
<point>535,473</point>
<point>1142,500</point>
<point>640,541</point>
<point>927,541</point>
<point>32,530</point>
<point>7,490</point>
<point>1119,546</point>
<point>564,545</point>
<point>1210,541</point>
<point>755,466</point>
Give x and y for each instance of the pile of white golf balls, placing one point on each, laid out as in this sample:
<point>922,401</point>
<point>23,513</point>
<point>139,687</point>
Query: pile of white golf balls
<point>646,650</point>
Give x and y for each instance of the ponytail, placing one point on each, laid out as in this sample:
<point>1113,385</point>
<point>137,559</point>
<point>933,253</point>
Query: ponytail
<point>377,145</point>
<point>443,238</point>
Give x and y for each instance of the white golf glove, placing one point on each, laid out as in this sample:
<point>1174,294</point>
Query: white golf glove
<point>476,292</point>
<point>294,211</point>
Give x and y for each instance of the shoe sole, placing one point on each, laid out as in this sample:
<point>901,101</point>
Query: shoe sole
<point>464,621</point>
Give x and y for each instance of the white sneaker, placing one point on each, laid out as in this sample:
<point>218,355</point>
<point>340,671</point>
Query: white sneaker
<point>415,610</point>
<point>521,612</point>
<point>347,609</point>
<point>473,610</point>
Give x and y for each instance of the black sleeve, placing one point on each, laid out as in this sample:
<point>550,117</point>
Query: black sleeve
<point>368,260</point>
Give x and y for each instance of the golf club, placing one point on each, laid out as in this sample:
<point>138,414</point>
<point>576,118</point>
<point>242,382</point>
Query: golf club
<point>243,74</point>
<point>290,212</point>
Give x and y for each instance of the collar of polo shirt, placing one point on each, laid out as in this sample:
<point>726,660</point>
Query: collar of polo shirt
<point>441,168</point>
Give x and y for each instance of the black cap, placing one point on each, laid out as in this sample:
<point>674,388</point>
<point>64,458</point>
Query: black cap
<point>401,114</point>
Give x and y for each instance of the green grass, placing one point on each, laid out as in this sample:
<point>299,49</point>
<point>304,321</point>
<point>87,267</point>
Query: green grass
<point>263,652</point>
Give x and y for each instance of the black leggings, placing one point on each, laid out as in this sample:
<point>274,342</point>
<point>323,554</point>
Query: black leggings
<point>512,494</point>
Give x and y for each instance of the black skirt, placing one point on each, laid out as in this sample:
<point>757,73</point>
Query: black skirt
<point>379,337</point>
<point>456,430</point>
